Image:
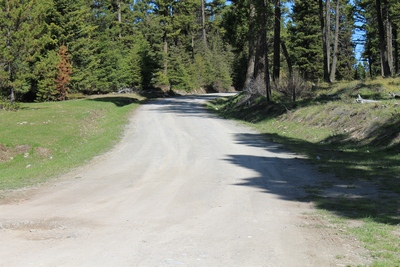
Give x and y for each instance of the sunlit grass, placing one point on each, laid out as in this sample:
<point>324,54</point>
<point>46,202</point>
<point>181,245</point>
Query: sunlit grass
<point>42,140</point>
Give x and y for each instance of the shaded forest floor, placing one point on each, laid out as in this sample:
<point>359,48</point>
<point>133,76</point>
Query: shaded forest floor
<point>358,142</point>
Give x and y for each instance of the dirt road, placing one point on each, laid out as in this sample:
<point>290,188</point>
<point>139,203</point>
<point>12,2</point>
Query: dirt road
<point>183,188</point>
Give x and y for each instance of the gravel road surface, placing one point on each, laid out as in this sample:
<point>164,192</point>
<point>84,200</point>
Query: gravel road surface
<point>182,188</point>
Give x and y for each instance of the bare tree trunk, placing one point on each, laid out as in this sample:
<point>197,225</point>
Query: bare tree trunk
<point>290,68</point>
<point>396,50</point>
<point>324,40</point>
<point>277,41</point>
<point>12,93</point>
<point>165,63</point>
<point>382,40</point>
<point>287,57</point>
<point>265,50</point>
<point>192,36</point>
<point>370,66</point>
<point>328,33</point>
<point>259,66</point>
<point>9,63</point>
<point>203,22</point>
<point>119,18</point>
<point>336,43</point>
<point>251,38</point>
<point>389,35</point>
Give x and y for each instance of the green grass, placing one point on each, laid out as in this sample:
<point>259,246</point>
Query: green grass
<point>42,140</point>
<point>359,143</point>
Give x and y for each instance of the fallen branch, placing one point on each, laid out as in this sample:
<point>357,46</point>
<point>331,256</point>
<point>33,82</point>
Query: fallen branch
<point>395,95</point>
<point>362,100</point>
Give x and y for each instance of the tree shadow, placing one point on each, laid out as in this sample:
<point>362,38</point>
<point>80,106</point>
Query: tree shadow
<point>119,101</point>
<point>152,93</point>
<point>191,105</point>
<point>385,133</point>
<point>360,189</point>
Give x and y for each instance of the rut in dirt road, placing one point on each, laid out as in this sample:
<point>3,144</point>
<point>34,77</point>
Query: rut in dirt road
<point>183,188</point>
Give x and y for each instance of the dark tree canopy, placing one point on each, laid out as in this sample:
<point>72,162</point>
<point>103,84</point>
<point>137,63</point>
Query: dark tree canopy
<point>189,45</point>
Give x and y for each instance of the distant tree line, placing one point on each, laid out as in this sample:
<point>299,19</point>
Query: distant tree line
<point>52,48</point>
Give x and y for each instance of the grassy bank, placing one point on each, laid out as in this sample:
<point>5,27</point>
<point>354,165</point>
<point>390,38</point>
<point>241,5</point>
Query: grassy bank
<point>359,143</point>
<point>42,140</point>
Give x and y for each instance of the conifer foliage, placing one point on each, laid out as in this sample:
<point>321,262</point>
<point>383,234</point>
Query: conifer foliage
<point>190,45</point>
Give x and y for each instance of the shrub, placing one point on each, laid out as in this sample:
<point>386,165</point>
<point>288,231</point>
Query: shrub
<point>291,87</point>
<point>7,105</point>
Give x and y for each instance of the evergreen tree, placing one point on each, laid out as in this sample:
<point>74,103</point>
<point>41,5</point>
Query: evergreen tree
<point>346,57</point>
<point>305,39</point>
<point>395,9</point>
<point>384,33</point>
<point>72,24</point>
<point>21,39</point>
<point>45,71</point>
<point>381,43</point>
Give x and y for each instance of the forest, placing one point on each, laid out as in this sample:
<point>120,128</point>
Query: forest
<point>54,49</point>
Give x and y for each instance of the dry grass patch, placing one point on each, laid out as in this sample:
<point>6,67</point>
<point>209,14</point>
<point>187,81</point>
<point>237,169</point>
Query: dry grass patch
<point>7,154</point>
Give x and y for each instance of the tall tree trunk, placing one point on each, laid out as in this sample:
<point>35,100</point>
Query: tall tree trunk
<point>165,63</point>
<point>192,44</point>
<point>9,63</point>
<point>382,39</point>
<point>267,82</point>
<point>328,33</point>
<point>336,43</point>
<point>324,39</point>
<point>277,41</point>
<point>370,66</point>
<point>203,22</point>
<point>251,56</point>
<point>290,68</point>
<point>12,93</point>
<point>389,35</point>
<point>287,57</point>
<point>396,50</point>
<point>119,18</point>
<point>259,65</point>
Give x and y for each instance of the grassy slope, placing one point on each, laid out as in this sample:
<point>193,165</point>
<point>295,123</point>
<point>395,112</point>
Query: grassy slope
<point>357,142</point>
<point>42,140</point>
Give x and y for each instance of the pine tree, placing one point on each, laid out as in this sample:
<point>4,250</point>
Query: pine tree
<point>305,39</point>
<point>236,26</point>
<point>380,24</point>
<point>395,9</point>
<point>73,24</point>
<point>45,71</point>
<point>21,40</point>
<point>345,57</point>
<point>382,11</point>
<point>277,40</point>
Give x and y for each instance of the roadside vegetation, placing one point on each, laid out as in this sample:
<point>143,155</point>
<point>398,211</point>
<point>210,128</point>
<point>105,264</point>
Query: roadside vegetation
<point>359,143</point>
<point>43,140</point>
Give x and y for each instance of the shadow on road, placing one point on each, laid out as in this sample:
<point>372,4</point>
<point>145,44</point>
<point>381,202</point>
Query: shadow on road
<point>296,179</point>
<point>186,106</point>
<point>291,176</point>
